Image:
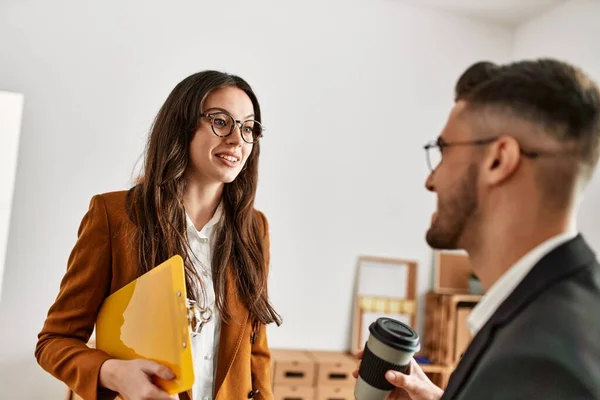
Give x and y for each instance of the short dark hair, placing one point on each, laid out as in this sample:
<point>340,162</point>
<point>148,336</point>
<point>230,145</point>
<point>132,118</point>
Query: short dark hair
<point>549,93</point>
<point>474,75</point>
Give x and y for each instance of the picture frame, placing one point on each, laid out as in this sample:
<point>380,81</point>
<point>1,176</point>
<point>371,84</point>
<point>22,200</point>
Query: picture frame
<point>385,287</point>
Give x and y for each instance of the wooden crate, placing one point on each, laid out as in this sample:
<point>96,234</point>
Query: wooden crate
<point>329,392</point>
<point>334,368</point>
<point>446,333</point>
<point>312,375</point>
<point>293,368</point>
<point>451,270</point>
<point>285,392</point>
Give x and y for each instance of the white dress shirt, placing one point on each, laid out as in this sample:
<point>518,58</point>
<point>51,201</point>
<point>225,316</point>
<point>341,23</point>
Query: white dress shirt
<point>509,281</point>
<point>205,345</point>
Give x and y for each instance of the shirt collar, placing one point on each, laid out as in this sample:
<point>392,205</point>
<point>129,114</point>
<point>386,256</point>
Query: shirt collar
<point>509,281</point>
<point>204,233</point>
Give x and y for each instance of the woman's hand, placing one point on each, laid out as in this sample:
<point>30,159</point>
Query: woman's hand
<point>133,380</point>
<point>412,386</point>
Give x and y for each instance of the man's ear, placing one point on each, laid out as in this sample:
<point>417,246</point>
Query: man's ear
<point>501,160</point>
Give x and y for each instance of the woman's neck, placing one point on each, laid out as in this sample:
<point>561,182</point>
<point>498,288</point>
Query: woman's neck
<point>201,201</point>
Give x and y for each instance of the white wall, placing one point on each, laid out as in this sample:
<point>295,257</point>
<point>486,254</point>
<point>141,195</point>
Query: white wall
<point>350,92</point>
<point>570,32</point>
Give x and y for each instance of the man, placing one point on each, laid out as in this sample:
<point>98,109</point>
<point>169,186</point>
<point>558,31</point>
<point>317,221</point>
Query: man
<point>520,145</point>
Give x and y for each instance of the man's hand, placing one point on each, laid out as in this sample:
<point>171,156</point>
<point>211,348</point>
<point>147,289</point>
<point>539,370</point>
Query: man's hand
<point>412,386</point>
<point>133,380</point>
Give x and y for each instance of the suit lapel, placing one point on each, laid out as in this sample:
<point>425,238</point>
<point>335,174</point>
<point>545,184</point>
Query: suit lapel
<point>557,265</point>
<point>468,361</point>
<point>232,333</point>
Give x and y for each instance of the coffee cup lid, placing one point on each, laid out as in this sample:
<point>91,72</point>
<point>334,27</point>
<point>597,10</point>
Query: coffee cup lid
<point>395,334</point>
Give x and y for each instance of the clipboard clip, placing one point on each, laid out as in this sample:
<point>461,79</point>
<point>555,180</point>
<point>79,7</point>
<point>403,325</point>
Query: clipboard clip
<point>197,316</point>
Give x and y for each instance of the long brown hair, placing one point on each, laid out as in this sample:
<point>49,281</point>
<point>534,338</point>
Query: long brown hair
<point>155,205</point>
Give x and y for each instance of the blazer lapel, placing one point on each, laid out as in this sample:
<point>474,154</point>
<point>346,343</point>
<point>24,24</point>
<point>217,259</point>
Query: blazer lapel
<point>232,333</point>
<point>565,260</point>
<point>560,263</point>
<point>468,361</point>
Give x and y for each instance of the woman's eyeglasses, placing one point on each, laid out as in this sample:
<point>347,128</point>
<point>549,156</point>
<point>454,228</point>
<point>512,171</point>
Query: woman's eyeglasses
<point>223,125</point>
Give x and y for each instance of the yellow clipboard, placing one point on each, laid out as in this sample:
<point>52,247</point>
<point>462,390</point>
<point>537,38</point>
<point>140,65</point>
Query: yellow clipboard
<point>148,319</point>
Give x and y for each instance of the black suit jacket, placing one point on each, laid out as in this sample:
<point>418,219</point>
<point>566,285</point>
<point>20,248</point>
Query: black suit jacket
<point>543,342</point>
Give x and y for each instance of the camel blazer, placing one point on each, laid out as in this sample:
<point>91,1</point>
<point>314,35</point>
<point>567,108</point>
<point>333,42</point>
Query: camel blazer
<point>104,260</point>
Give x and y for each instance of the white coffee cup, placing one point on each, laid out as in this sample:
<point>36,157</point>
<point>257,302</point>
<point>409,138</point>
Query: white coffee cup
<point>391,346</point>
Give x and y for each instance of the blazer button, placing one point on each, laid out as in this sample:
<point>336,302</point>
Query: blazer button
<point>253,393</point>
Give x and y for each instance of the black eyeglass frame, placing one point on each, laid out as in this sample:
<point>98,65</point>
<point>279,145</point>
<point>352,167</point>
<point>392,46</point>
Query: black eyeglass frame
<point>240,124</point>
<point>440,144</point>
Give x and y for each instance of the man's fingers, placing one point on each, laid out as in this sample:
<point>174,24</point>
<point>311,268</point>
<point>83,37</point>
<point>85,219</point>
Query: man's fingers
<point>415,368</point>
<point>359,356</point>
<point>400,380</point>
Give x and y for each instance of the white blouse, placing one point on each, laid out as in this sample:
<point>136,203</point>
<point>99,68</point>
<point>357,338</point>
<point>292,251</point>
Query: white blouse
<point>205,345</point>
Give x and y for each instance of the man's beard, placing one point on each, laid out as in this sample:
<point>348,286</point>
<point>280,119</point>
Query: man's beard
<point>453,213</point>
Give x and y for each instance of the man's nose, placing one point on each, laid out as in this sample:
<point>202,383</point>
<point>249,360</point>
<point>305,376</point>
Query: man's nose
<point>429,182</point>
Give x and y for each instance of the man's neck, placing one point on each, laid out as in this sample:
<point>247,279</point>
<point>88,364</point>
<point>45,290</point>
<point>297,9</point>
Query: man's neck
<point>201,201</point>
<point>507,240</point>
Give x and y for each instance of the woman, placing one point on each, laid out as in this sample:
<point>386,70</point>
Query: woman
<point>195,199</point>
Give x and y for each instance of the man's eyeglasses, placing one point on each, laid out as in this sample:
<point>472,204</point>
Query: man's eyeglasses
<point>223,124</point>
<point>435,150</point>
